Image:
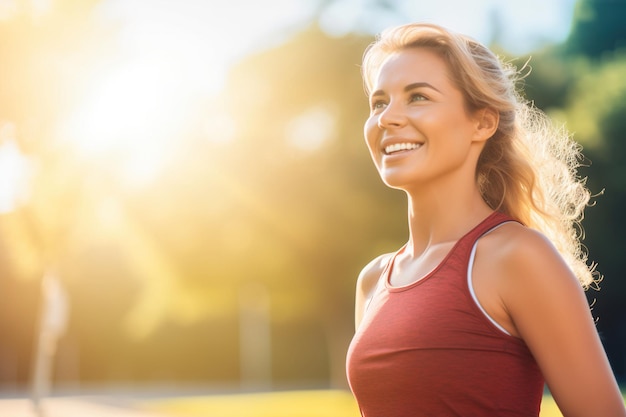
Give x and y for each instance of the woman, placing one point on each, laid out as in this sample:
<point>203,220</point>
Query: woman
<point>485,301</point>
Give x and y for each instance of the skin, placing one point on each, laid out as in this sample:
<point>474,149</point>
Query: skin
<point>519,278</point>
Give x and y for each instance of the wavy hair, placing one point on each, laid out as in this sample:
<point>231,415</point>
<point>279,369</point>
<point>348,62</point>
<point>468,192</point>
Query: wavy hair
<point>528,168</point>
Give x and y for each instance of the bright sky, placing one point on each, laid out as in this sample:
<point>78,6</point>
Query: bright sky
<point>216,33</point>
<point>524,24</point>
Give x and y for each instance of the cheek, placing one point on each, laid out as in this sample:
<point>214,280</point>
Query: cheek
<point>371,131</point>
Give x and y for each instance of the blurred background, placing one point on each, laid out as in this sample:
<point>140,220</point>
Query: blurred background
<point>186,199</point>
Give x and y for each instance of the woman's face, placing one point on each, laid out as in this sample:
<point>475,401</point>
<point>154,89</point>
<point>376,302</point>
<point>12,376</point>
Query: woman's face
<point>419,131</point>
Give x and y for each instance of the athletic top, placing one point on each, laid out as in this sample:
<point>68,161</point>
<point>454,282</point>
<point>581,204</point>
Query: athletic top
<point>429,349</point>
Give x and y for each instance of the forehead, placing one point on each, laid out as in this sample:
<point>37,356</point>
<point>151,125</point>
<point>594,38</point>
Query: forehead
<point>412,65</point>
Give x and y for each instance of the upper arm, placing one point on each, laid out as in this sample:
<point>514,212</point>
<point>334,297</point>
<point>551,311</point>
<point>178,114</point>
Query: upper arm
<point>550,312</point>
<point>366,284</point>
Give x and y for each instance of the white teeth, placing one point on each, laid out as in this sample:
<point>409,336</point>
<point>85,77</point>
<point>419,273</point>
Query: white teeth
<point>396,147</point>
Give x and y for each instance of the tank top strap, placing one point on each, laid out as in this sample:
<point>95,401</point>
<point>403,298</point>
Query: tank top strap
<point>495,219</point>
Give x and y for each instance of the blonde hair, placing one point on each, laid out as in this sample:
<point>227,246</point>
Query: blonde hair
<point>528,169</point>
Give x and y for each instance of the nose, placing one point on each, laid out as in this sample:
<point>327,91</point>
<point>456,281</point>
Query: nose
<point>392,116</point>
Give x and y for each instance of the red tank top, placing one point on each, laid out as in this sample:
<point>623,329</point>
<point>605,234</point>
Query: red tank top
<point>427,349</point>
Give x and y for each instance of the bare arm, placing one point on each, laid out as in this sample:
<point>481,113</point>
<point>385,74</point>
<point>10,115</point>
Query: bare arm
<point>550,312</point>
<point>366,284</point>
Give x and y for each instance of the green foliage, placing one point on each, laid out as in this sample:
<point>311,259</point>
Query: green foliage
<point>598,28</point>
<point>547,78</point>
<point>594,111</point>
<point>596,94</point>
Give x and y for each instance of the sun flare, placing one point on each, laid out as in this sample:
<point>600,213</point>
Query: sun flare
<point>131,114</point>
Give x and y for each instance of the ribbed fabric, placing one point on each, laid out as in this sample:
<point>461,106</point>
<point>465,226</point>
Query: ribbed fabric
<point>426,349</point>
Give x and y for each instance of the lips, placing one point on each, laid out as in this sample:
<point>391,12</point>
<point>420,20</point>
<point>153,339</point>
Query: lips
<point>401,147</point>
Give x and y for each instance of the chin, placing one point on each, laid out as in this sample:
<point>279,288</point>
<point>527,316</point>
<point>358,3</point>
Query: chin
<point>397,182</point>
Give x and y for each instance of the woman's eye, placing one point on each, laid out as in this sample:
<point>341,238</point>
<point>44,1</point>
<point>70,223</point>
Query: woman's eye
<point>417,97</point>
<point>378,104</point>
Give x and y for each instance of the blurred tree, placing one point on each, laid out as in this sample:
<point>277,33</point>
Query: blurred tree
<point>598,28</point>
<point>581,83</point>
<point>299,110</point>
<point>595,111</point>
<point>547,77</point>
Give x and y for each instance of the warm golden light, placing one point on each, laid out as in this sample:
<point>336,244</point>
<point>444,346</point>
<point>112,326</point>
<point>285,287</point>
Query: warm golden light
<point>132,113</point>
<point>15,172</point>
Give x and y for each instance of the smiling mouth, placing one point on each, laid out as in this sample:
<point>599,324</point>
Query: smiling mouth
<point>401,147</point>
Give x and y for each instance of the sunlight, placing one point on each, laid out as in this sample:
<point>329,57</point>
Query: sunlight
<point>130,116</point>
<point>174,56</point>
<point>161,92</point>
<point>8,9</point>
<point>15,171</point>
<point>124,109</point>
<point>312,129</point>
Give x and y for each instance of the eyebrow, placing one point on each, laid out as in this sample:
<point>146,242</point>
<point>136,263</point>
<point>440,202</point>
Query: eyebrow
<point>408,88</point>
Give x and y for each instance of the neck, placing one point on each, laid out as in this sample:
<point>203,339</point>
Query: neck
<point>437,216</point>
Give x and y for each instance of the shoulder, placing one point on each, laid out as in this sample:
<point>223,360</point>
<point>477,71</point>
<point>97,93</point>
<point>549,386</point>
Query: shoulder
<point>367,282</point>
<point>371,273</point>
<point>518,252</point>
<point>530,276</point>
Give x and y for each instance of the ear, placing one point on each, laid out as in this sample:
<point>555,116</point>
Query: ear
<point>487,120</point>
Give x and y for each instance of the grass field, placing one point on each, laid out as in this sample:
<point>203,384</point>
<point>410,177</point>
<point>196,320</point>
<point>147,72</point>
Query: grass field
<point>322,403</point>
